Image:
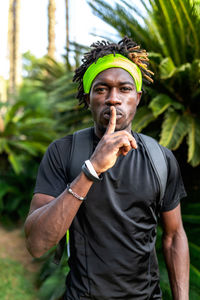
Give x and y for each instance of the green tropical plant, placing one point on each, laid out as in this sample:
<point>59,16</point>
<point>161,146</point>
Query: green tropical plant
<point>69,114</point>
<point>56,79</point>
<point>42,71</point>
<point>170,30</point>
<point>51,278</point>
<point>26,131</point>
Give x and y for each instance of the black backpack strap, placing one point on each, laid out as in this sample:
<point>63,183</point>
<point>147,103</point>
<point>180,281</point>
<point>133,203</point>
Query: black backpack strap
<point>158,160</point>
<point>81,150</point>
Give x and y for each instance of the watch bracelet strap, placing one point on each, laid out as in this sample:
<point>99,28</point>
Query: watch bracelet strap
<point>91,169</point>
<point>89,175</point>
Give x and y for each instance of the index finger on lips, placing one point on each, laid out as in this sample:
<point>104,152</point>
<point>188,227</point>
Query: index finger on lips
<point>112,122</point>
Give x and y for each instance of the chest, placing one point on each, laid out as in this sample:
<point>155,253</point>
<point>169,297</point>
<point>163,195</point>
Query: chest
<point>128,190</point>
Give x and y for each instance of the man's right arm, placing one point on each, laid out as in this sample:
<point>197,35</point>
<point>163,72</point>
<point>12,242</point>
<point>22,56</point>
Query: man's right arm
<point>49,217</point>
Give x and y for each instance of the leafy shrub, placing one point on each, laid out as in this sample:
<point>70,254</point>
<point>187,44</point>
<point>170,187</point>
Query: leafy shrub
<point>27,129</point>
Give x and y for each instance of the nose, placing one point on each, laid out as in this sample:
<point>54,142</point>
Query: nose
<point>113,98</point>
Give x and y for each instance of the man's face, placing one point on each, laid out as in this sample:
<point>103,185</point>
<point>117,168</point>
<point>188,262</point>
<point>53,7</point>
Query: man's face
<point>115,87</point>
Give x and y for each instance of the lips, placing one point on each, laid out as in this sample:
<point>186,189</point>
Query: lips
<point>106,113</point>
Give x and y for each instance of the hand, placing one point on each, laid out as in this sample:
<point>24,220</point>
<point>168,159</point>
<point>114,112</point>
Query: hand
<point>111,146</point>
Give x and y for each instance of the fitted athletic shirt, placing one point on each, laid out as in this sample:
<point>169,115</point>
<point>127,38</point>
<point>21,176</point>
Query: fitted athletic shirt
<point>113,235</point>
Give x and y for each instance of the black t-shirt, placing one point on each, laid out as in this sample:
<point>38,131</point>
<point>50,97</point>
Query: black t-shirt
<point>112,237</point>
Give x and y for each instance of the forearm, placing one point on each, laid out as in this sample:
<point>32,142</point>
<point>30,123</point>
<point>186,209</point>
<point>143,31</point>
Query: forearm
<point>46,225</point>
<point>177,260</point>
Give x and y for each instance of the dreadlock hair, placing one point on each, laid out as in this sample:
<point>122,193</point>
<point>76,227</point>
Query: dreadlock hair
<point>126,47</point>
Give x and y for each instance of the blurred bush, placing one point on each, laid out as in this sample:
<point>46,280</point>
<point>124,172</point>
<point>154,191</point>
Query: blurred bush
<point>27,129</point>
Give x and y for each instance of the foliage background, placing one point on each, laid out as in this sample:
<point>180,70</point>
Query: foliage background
<point>45,109</point>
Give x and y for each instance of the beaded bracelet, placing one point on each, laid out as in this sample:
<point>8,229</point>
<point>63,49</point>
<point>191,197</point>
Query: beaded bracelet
<point>74,194</point>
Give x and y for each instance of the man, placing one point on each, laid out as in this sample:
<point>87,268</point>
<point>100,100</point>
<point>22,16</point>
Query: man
<point>111,207</point>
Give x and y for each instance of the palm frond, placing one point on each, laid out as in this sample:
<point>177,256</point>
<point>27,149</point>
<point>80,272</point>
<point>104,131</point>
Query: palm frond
<point>167,15</point>
<point>174,129</point>
<point>186,10</point>
<point>15,162</point>
<point>161,103</point>
<point>143,117</point>
<point>181,27</point>
<point>195,278</point>
<point>167,68</point>
<point>193,141</point>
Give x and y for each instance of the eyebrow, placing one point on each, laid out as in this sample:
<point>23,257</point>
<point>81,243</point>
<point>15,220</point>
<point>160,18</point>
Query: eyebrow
<point>107,84</point>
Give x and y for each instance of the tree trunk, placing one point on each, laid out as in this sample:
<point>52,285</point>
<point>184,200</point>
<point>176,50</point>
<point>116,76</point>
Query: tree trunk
<point>67,27</point>
<point>14,45</point>
<point>51,28</point>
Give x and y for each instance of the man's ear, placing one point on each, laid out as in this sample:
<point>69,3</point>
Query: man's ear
<point>87,99</point>
<point>139,95</point>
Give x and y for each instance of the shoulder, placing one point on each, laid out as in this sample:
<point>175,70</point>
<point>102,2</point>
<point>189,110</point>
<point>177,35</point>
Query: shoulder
<point>147,144</point>
<point>60,145</point>
<point>170,159</point>
<point>58,152</point>
<point>168,155</point>
<point>62,142</point>
<point>175,189</point>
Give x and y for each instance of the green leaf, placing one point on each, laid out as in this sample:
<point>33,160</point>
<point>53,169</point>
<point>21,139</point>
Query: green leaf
<point>166,12</point>
<point>37,122</point>
<point>194,141</point>
<point>3,143</point>
<point>174,129</point>
<point>31,147</point>
<point>155,57</point>
<point>53,287</point>
<point>180,25</point>
<point>24,146</point>
<point>12,111</point>
<point>16,163</point>
<point>195,255</point>
<point>36,146</point>
<point>12,206</point>
<point>161,102</point>
<point>194,277</point>
<point>167,68</point>
<point>184,68</point>
<point>191,25</point>
<point>4,189</point>
<point>192,219</point>
<point>194,78</point>
<point>142,118</point>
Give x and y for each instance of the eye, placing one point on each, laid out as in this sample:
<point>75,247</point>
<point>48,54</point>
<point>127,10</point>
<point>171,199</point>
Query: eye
<point>100,89</point>
<point>126,88</point>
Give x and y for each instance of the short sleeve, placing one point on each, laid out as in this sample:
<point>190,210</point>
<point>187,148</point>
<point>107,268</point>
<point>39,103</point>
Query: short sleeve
<point>175,189</point>
<point>52,173</point>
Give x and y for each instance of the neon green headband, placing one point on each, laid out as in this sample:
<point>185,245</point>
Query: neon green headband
<point>112,61</point>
